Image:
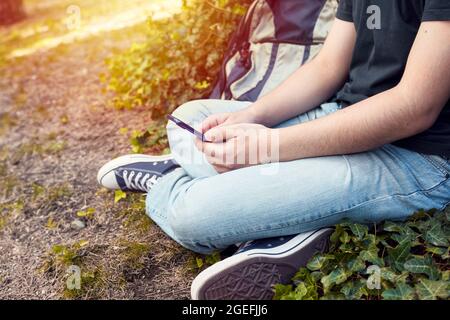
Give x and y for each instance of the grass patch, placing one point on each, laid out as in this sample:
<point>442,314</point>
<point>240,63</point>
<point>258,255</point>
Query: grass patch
<point>8,211</point>
<point>62,258</point>
<point>48,145</point>
<point>67,255</point>
<point>200,262</point>
<point>130,257</point>
<point>133,254</point>
<point>49,197</point>
<point>133,213</point>
<point>50,194</point>
<point>91,282</point>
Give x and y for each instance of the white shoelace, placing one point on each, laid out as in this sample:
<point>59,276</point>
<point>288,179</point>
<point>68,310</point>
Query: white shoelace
<point>137,181</point>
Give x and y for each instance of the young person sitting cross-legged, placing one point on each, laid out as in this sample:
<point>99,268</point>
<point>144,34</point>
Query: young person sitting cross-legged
<point>362,132</point>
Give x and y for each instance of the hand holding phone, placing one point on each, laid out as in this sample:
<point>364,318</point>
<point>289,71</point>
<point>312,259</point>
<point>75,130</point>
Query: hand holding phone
<point>187,127</point>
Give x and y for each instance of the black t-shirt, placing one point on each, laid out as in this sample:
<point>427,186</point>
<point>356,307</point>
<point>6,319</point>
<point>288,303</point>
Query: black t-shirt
<point>386,30</point>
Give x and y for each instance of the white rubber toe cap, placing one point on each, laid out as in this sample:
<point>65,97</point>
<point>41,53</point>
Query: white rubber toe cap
<point>106,175</point>
<point>108,179</point>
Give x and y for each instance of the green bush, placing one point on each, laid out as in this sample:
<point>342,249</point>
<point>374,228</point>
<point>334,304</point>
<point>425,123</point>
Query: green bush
<point>411,259</point>
<point>180,59</point>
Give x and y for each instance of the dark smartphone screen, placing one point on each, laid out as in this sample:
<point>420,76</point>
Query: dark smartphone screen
<point>187,127</point>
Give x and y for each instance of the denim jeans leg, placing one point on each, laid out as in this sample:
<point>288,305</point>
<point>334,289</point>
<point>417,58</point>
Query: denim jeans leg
<point>207,213</point>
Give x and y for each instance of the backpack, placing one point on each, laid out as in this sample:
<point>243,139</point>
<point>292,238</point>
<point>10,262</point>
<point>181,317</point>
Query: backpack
<point>273,40</point>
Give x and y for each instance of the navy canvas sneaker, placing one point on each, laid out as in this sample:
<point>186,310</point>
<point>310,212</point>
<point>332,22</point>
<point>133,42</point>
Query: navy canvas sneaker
<point>135,173</point>
<point>258,265</point>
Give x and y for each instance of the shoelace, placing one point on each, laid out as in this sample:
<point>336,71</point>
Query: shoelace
<point>137,181</point>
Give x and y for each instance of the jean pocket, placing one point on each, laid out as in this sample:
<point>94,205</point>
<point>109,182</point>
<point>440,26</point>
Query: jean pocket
<point>440,164</point>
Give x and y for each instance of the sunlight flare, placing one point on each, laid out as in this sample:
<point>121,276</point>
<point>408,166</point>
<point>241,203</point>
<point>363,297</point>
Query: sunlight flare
<point>121,20</point>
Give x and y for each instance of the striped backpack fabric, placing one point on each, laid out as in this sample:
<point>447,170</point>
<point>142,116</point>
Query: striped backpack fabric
<point>273,39</point>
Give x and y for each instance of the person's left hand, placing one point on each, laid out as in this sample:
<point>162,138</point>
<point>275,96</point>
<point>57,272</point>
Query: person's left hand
<point>237,146</point>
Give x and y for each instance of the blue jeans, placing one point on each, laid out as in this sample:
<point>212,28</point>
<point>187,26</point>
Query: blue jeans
<point>205,211</point>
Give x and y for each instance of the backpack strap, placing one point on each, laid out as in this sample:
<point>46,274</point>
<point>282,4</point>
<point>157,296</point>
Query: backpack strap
<point>239,43</point>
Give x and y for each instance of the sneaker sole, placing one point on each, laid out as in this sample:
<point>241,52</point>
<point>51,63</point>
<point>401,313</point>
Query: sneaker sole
<point>124,160</point>
<point>252,275</point>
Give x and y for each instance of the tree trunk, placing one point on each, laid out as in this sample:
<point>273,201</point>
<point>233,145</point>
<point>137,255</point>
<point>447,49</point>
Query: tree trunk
<point>11,11</point>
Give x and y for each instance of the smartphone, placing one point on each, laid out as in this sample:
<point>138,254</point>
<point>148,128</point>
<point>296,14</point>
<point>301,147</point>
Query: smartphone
<point>187,127</point>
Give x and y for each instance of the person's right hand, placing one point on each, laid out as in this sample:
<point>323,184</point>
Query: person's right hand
<point>226,119</point>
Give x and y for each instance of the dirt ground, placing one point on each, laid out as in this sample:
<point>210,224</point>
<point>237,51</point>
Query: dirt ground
<point>56,130</point>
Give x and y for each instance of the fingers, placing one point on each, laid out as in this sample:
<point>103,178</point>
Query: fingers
<point>213,121</point>
<point>232,146</point>
<point>222,156</point>
<point>214,152</point>
<point>211,150</point>
<point>220,134</point>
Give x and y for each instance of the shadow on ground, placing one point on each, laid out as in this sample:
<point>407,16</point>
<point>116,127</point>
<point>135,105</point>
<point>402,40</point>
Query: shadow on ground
<point>56,129</point>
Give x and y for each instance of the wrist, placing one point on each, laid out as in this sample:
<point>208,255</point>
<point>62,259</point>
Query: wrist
<point>288,144</point>
<point>256,113</point>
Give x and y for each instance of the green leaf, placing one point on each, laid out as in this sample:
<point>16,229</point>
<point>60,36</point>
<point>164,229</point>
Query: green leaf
<point>344,238</point>
<point>401,292</point>
<point>82,243</point>
<point>371,255</point>
<point>436,236</point>
<point>312,293</point>
<point>300,291</point>
<point>301,274</point>
<point>337,276</point>
<point>390,226</point>
<point>199,262</point>
<point>333,296</point>
<point>410,266</point>
<point>432,290</point>
<point>446,275</point>
<point>347,247</point>
<point>119,195</point>
<point>439,251</point>
<point>334,239</point>
<point>317,262</point>
<point>304,278</point>
<point>356,264</point>
<point>424,265</point>
<point>316,276</point>
<point>355,290</point>
<point>89,213</point>
<point>446,256</point>
<point>399,254</point>
<point>213,258</point>
<point>359,230</point>
<point>390,275</point>
<point>385,244</point>
<point>81,214</point>
<point>369,241</point>
<point>304,275</point>
<point>405,237</point>
<point>123,131</point>
<point>282,291</point>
